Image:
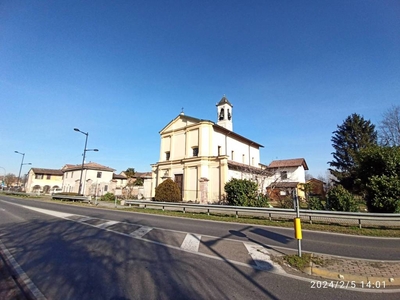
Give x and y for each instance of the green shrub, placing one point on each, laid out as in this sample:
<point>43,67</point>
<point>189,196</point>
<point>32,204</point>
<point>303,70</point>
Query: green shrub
<point>168,191</point>
<point>108,197</point>
<point>383,194</point>
<point>340,199</point>
<point>243,192</point>
<point>285,202</point>
<point>314,203</point>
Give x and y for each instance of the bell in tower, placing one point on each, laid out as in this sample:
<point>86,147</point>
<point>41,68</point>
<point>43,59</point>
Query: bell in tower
<point>224,111</point>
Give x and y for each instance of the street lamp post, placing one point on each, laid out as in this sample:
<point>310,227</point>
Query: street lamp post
<point>22,163</point>
<point>83,159</point>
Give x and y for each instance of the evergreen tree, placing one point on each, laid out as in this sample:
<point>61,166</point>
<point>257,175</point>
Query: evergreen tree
<point>378,170</point>
<point>354,134</point>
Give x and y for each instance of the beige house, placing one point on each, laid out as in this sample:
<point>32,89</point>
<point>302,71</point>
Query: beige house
<point>43,180</point>
<point>201,156</point>
<point>96,179</point>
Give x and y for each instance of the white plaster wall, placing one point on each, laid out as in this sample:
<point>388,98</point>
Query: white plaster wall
<point>294,174</point>
<point>205,136</point>
<point>191,187</point>
<point>213,184</point>
<point>69,181</point>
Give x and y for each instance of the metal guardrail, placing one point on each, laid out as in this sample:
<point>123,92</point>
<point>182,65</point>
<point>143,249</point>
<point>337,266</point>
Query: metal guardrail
<point>350,218</point>
<point>53,196</point>
<point>72,198</point>
<point>11,193</point>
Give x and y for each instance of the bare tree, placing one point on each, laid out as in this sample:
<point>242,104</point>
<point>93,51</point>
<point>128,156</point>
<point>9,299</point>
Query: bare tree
<point>389,127</point>
<point>9,179</point>
<point>130,174</point>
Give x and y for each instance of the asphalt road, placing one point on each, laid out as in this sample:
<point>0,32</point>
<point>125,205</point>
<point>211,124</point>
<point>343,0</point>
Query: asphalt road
<point>67,259</point>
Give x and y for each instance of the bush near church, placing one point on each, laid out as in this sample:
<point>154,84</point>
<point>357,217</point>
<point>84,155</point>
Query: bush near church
<point>168,191</point>
<point>108,197</point>
<point>340,199</point>
<point>243,192</point>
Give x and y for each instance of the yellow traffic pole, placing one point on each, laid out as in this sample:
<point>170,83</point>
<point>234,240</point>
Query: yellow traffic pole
<point>297,229</point>
<point>297,224</point>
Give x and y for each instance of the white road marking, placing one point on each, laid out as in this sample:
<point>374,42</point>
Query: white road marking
<point>106,224</point>
<point>83,219</point>
<point>191,242</point>
<point>21,274</point>
<point>262,258</point>
<point>138,233</point>
<point>49,212</point>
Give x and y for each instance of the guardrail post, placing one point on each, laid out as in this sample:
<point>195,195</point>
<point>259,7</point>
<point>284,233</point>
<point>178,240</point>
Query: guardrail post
<point>359,223</point>
<point>208,211</point>
<point>237,214</point>
<point>184,211</point>
<point>163,208</point>
<point>310,219</point>
<point>269,216</point>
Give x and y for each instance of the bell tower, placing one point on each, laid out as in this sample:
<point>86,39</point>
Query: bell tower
<point>224,113</point>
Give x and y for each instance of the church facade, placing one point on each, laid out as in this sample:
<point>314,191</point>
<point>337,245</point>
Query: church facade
<point>201,156</point>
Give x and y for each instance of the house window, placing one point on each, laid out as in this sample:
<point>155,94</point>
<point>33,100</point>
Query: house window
<point>284,175</point>
<point>72,174</point>
<point>167,155</point>
<point>98,174</point>
<point>66,175</point>
<point>39,176</point>
<point>48,177</point>
<point>106,188</point>
<point>195,151</point>
<point>232,154</point>
<point>219,150</point>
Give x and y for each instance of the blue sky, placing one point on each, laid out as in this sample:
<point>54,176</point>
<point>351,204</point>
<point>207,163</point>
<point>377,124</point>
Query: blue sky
<point>121,70</point>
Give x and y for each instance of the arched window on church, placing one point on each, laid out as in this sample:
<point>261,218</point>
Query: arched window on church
<point>221,114</point>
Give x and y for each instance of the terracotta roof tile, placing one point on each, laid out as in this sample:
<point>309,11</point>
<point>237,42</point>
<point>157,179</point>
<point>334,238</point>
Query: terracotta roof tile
<point>283,184</point>
<point>47,171</point>
<point>296,162</point>
<point>90,165</point>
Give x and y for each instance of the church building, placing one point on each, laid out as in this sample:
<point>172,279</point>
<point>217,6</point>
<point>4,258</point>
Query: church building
<point>201,156</point>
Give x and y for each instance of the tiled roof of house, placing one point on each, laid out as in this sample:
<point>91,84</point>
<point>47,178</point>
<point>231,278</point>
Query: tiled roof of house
<point>296,162</point>
<point>89,166</point>
<point>142,174</point>
<point>233,165</point>
<point>47,171</point>
<point>283,184</point>
<point>119,176</point>
<point>315,180</point>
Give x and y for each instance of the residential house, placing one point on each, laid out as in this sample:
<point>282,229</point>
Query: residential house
<point>201,155</point>
<point>95,179</point>
<point>43,180</point>
<point>118,184</point>
<point>138,186</point>
<point>317,187</point>
<point>286,175</point>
